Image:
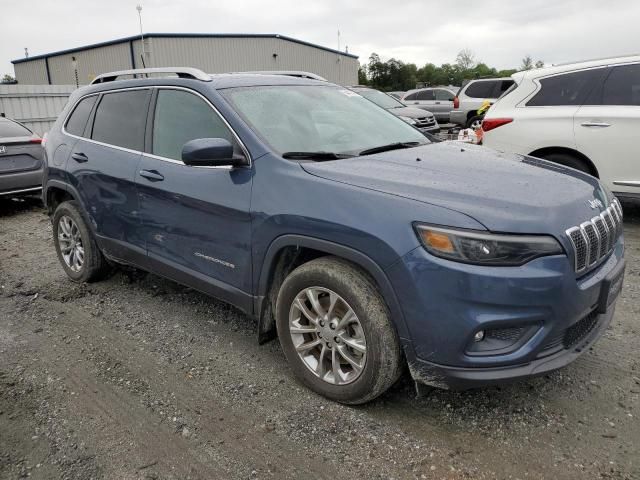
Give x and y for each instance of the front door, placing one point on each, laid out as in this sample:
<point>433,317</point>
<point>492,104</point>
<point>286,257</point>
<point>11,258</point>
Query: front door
<point>195,220</point>
<point>606,129</point>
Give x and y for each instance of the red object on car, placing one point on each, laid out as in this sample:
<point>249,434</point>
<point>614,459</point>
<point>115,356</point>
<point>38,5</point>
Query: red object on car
<point>491,123</point>
<point>456,102</point>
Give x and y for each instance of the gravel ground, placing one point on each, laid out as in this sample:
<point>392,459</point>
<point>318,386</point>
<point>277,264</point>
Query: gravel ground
<point>137,377</point>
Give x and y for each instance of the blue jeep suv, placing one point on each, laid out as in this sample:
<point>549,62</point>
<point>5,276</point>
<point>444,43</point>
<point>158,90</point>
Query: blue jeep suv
<point>362,244</point>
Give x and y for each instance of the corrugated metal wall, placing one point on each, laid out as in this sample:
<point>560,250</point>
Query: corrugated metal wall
<point>90,63</point>
<point>37,106</point>
<point>211,54</point>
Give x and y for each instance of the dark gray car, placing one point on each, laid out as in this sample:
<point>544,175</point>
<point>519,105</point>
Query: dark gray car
<point>421,119</point>
<point>21,156</point>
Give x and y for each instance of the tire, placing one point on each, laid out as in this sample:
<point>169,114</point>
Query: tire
<point>381,363</point>
<point>477,120</point>
<point>68,222</point>
<point>568,160</point>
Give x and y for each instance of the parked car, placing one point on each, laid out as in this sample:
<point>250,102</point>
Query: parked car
<point>471,97</point>
<point>584,115</point>
<point>363,244</point>
<point>423,120</point>
<point>438,100</point>
<point>396,95</point>
<point>21,159</point>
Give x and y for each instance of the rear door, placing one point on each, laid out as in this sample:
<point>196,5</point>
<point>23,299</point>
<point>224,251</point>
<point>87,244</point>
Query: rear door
<point>607,128</point>
<point>425,99</point>
<point>443,104</point>
<point>195,220</point>
<point>102,168</point>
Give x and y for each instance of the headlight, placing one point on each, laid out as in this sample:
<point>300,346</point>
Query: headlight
<point>485,248</point>
<point>410,121</point>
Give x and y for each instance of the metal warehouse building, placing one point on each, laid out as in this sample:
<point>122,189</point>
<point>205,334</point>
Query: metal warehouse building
<point>212,53</point>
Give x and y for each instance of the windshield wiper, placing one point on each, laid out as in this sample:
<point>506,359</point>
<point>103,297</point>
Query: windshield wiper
<point>315,155</point>
<point>391,146</point>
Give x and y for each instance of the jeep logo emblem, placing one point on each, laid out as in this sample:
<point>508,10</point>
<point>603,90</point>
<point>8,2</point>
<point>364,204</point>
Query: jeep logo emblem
<point>595,203</point>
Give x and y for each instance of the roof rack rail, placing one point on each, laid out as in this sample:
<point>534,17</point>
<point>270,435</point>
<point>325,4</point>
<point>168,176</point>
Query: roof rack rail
<point>182,72</point>
<point>287,73</point>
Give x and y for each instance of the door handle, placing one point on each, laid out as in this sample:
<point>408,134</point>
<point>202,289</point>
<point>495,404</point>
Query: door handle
<point>437,103</point>
<point>79,157</point>
<point>152,175</point>
<point>416,103</point>
<point>596,124</point>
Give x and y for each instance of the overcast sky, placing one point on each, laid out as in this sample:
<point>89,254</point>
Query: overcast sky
<point>499,32</point>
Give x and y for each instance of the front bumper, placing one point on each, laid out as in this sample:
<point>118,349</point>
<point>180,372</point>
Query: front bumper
<point>446,303</point>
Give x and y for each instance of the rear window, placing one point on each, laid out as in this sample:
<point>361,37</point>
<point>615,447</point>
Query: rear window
<point>120,119</point>
<point>78,119</point>
<point>481,89</point>
<point>567,89</point>
<point>426,95</point>
<point>411,96</point>
<point>9,128</point>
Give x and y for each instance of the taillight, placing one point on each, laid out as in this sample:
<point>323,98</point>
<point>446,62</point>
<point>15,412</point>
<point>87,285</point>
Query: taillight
<point>456,102</point>
<point>35,140</point>
<point>491,123</point>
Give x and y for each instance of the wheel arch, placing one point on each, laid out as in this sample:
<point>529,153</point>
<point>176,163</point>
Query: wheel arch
<point>290,251</point>
<point>541,152</point>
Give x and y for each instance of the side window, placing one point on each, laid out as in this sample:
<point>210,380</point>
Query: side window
<point>622,86</point>
<point>120,119</point>
<point>566,89</point>
<point>180,117</point>
<point>481,89</point>
<point>425,95</point>
<point>502,87</point>
<point>444,95</point>
<point>412,96</point>
<point>78,119</point>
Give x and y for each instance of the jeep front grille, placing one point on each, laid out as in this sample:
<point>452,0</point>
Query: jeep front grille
<point>595,238</point>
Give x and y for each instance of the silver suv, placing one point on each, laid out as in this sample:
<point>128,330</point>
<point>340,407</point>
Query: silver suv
<point>437,100</point>
<point>471,96</point>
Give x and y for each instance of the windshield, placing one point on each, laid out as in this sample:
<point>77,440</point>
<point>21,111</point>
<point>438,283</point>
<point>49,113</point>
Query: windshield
<point>379,98</point>
<point>319,118</point>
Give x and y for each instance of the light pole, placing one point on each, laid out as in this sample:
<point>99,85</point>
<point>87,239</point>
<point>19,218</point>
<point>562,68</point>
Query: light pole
<point>139,9</point>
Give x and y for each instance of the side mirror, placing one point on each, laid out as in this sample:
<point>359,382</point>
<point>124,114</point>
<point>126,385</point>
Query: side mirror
<point>211,152</point>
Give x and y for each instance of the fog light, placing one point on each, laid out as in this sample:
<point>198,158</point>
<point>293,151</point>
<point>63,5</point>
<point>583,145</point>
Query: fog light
<point>479,336</point>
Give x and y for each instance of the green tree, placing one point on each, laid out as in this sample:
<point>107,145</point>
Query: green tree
<point>539,64</point>
<point>8,79</point>
<point>362,75</point>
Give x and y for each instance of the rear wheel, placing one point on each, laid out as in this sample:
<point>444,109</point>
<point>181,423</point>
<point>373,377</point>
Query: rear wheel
<point>77,250</point>
<point>336,333</point>
<point>475,122</point>
<point>568,160</point>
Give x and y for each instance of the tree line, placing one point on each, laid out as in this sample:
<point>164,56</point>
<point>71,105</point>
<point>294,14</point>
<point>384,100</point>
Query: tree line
<point>396,75</point>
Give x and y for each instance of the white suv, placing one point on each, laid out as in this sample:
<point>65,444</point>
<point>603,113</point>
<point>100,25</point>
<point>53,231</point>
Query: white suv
<point>585,115</point>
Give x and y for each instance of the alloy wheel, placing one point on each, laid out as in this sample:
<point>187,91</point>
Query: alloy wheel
<point>70,243</point>
<point>327,335</point>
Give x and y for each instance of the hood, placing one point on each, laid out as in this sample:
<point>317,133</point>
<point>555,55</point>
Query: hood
<point>504,192</point>
<point>410,112</point>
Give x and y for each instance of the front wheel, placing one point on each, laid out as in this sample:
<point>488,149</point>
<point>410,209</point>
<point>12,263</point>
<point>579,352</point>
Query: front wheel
<point>335,331</point>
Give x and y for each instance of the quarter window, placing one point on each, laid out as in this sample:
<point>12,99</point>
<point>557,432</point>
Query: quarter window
<point>411,96</point>
<point>567,89</point>
<point>180,117</point>
<point>622,86</point>
<point>121,118</point>
<point>78,119</point>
